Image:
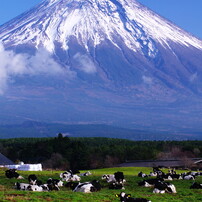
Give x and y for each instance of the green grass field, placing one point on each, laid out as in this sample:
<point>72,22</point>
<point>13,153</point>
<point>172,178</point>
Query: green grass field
<point>184,193</point>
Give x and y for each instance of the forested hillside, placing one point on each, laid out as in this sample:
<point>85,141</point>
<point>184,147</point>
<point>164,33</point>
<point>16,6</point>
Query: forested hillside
<point>89,153</point>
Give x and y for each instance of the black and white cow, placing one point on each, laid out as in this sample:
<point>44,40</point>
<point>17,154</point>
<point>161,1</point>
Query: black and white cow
<point>36,188</point>
<point>194,173</point>
<point>149,182</point>
<point>141,174</point>
<point>152,174</point>
<point>21,186</point>
<point>166,176</point>
<point>32,179</point>
<point>12,173</point>
<point>164,187</point>
<point>109,178</point>
<point>127,198</point>
<point>69,177</point>
<point>188,177</point>
<point>172,171</point>
<point>65,175</point>
<point>86,173</point>
<point>176,176</point>
<point>85,187</point>
<point>196,185</point>
<point>30,187</point>
<point>115,185</point>
<point>158,171</point>
<point>116,181</point>
<point>54,184</point>
<point>119,176</point>
<point>74,178</point>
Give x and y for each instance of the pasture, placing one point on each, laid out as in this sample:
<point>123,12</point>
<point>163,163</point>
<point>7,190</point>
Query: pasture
<point>184,193</point>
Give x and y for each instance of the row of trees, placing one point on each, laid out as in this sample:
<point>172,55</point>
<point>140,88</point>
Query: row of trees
<point>89,153</point>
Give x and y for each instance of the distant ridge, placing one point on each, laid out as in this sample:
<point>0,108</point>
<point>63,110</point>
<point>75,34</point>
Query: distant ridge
<point>34,129</point>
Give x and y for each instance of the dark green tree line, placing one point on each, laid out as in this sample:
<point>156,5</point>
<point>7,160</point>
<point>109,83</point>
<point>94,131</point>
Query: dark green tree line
<point>86,153</point>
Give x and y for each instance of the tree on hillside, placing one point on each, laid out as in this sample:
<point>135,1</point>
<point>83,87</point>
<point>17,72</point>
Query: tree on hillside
<point>57,161</point>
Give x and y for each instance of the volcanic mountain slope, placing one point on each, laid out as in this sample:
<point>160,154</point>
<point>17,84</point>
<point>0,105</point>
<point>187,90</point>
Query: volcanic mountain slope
<point>111,61</point>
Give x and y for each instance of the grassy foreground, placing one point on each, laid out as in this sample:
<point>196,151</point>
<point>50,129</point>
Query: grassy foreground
<point>184,193</point>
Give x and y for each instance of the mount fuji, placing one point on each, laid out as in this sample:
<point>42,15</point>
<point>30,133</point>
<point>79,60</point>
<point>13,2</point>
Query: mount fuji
<point>111,62</point>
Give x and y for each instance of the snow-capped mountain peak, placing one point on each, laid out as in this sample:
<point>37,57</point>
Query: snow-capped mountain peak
<point>95,21</point>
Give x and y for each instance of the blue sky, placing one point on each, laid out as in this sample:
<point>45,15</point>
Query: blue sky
<point>184,13</point>
<point>11,8</point>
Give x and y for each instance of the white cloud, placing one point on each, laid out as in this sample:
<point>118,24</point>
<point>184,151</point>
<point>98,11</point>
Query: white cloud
<point>84,63</point>
<point>43,63</point>
<point>147,79</point>
<point>12,64</point>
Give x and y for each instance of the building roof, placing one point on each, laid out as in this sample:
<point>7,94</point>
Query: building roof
<point>5,161</point>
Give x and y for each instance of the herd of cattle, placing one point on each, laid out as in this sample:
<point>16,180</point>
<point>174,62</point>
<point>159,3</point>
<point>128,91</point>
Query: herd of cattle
<point>156,179</point>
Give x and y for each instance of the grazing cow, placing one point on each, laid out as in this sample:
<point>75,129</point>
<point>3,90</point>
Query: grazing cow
<point>172,171</point>
<point>43,187</point>
<point>141,174</point>
<point>57,182</point>
<point>115,185</point>
<point>166,176</point>
<point>149,182</point>
<point>34,188</point>
<point>86,173</point>
<point>119,177</point>
<point>152,174</point>
<point>54,184</point>
<point>188,177</point>
<point>163,187</point>
<point>159,191</point>
<point>32,179</point>
<point>196,185</point>
<point>74,178</point>
<point>21,186</point>
<point>176,176</point>
<point>69,176</point>
<point>86,187</point>
<point>52,187</point>
<point>127,198</point>
<point>109,178</point>
<point>65,175</point>
<point>158,171</point>
<point>11,173</point>
<point>171,188</point>
<point>30,187</point>
<point>193,173</point>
